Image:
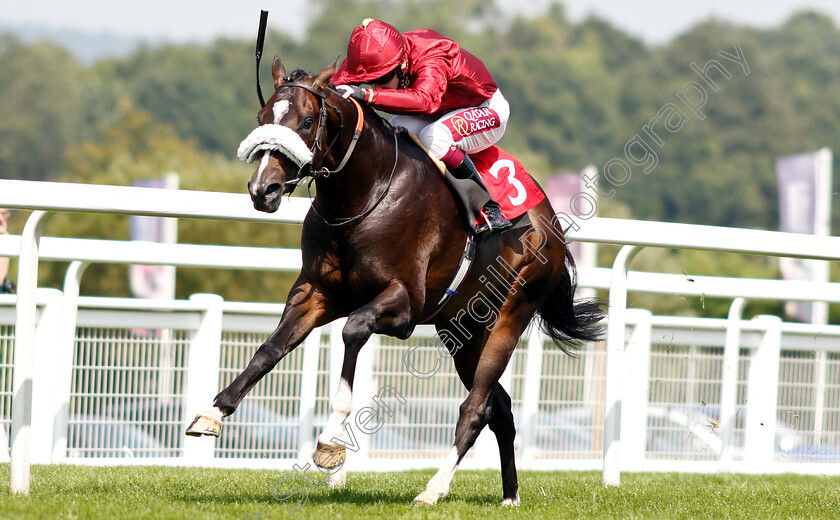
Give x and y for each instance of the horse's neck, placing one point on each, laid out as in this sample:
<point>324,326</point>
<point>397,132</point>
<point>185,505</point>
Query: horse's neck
<point>361,182</point>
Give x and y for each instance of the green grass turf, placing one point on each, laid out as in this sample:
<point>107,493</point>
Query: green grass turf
<point>122,493</point>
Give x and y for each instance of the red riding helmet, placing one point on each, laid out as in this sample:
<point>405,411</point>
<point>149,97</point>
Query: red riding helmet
<point>375,49</point>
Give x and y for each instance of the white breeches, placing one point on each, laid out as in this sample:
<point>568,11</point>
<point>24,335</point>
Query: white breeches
<point>469,129</point>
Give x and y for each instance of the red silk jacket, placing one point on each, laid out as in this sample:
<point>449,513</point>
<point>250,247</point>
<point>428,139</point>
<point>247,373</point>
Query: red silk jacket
<point>440,76</point>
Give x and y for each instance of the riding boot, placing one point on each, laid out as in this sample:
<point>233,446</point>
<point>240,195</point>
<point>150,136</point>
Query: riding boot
<point>474,199</point>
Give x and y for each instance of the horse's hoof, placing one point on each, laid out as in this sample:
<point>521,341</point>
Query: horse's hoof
<point>426,498</point>
<point>329,457</point>
<point>204,425</point>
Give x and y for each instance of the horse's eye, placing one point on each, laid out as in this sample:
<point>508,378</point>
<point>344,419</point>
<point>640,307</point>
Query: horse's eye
<point>308,122</point>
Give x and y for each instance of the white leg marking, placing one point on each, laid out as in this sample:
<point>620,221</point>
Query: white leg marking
<point>213,412</point>
<point>511,502</point>
<point>438,486</point>
<point>338,480</point>
<point>342,404</point>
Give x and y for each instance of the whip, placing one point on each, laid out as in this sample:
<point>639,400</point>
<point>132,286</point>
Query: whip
<point>259,51</point>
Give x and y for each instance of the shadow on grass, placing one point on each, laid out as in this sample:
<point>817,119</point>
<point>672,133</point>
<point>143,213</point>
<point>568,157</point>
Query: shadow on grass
<point>354,496</point>
<point>394,497</point>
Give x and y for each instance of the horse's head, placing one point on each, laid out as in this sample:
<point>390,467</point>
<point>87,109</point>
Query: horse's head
<point>291,134</point>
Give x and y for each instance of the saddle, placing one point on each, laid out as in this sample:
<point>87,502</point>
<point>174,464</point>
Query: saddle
<point>504,176</point>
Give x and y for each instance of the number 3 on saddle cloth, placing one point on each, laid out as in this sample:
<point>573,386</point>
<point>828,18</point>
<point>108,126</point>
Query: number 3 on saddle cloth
<point>507,181</point>
<point>509,185</point>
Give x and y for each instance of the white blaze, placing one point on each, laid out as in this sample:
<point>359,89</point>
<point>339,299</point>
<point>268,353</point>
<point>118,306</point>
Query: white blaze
<point>280,109</point>
<point>263,163</point>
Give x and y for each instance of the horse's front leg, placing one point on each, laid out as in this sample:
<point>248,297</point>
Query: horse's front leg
<point>306,308</point>
<point>388,313</point>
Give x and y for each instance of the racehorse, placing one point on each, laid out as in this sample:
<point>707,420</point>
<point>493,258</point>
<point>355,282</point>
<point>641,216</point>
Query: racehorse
<point>381,243</point>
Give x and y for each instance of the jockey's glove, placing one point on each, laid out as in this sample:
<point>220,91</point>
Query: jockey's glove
<point>357,93</point>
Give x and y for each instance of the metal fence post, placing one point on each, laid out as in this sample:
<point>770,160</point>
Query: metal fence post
<point>363,392</point>
<point>635,394</point>
<point>308,393</point>
<point>762,395</point>
<point>45,372</point>
<point>729,381</point>
<point>531,396</point>
<point>615,365</point>
<point>203,373</point>
<point>336,355</point>
<point>19,476</point>
<point>66,347</point>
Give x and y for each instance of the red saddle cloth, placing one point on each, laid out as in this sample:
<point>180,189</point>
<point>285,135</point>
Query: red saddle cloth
<point>507,181</point>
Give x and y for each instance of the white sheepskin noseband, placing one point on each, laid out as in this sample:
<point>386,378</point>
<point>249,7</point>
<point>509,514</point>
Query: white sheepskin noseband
<point>274,137</point>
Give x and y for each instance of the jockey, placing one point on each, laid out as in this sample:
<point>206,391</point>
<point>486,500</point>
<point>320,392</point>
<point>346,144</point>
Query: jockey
<point>438,91</point>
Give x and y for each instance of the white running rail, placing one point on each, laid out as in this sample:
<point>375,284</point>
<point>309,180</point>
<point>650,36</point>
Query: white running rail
<point>46,198</point>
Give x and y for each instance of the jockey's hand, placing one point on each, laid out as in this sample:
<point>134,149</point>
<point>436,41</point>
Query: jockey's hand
<point>352,91</point>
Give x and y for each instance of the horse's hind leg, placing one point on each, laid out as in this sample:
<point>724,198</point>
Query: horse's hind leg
<point>476,410</point>
<point>501,423</point>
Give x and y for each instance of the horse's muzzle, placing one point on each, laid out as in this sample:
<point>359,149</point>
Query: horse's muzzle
<point>266,198</point>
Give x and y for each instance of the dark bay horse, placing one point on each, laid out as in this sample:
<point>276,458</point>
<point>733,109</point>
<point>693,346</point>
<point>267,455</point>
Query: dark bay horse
<point>380,245</point>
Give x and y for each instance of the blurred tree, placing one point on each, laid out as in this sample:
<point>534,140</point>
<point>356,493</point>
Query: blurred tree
<point>578,93</point>
<point>40,107</point>
<point>137,147</point>
<point>563,85</point>
<point>205,94</point>
<point>720,170</point>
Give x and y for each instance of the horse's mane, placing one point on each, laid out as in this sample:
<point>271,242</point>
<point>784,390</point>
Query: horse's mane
<point>386,126</point>
<point>370,112</point>
<point>296,75</point>
<point>299,74</point>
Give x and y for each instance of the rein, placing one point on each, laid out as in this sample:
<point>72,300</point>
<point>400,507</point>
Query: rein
<point>325,172</point>
<point>290,186</point>
<point>342,221</point>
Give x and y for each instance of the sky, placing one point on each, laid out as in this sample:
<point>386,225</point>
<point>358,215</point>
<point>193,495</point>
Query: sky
<point>178,21</point>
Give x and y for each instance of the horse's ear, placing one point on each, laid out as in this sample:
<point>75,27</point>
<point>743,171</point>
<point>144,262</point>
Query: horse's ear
<point>278,70</point>
<point>323,78</point>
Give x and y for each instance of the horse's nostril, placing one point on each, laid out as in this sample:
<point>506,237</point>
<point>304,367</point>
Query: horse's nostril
<point>273,188</point>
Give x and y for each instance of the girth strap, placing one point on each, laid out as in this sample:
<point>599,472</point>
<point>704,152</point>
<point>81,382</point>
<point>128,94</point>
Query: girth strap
<point>464,266</point>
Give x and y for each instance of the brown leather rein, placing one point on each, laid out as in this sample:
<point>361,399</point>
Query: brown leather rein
<point>324,172</point>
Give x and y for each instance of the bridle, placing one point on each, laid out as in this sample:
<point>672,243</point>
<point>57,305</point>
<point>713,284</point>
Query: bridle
<point>323,172</point>
<point>306,171</point>
<point>317,145</point>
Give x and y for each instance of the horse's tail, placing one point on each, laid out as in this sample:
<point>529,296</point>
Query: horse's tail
<point>566,321</point>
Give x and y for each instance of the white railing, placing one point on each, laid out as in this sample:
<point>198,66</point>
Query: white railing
<point>136,372</point>
<point>47,197</point>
